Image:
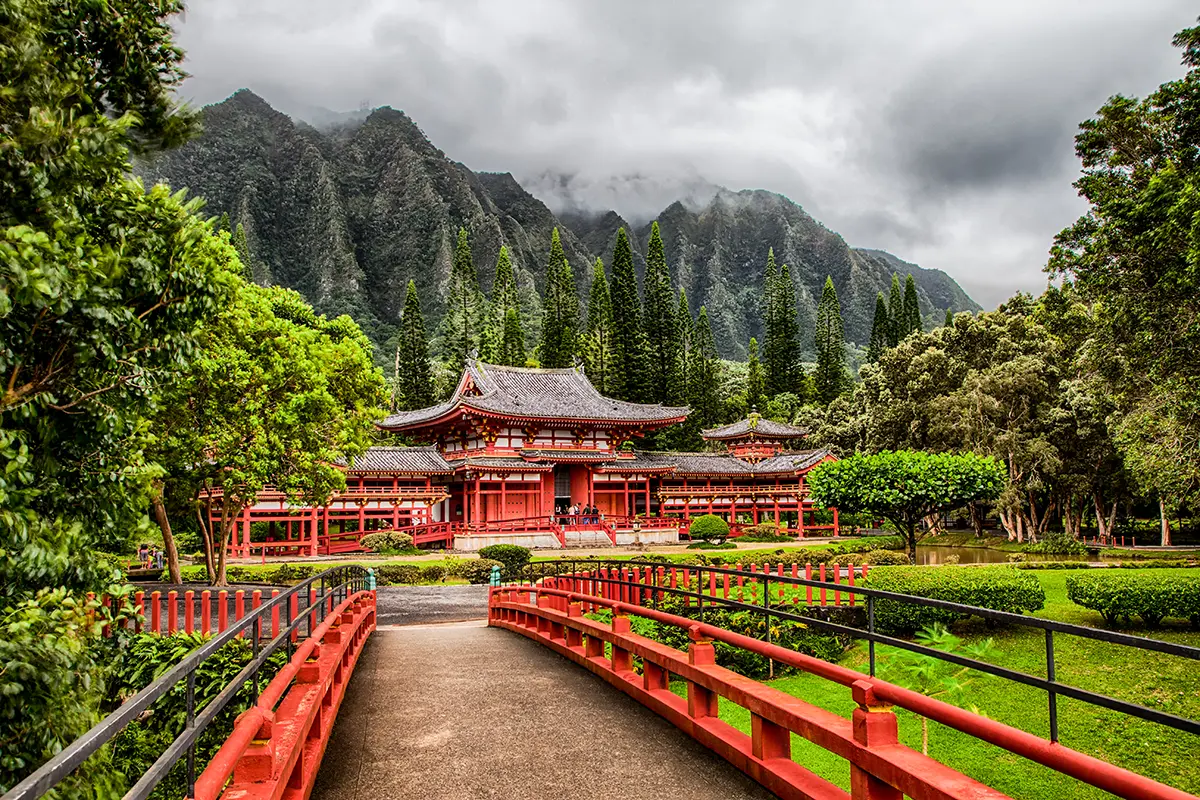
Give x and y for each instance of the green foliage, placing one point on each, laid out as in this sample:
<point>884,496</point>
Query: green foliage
<point>997,588</point>
<point>872,558</point>
<point>397,574</point>
<point>709,528</point>
<point>388,543</point>
<point>896,326</point>
<point>712,546</point>
<point>756,386</point>
<point>414,378</point>
<point>513,557</point>
<point>496,346</point>
<point>830,378</point>
<point>906,486</point>
<point>466,312</point>
<point>781,336</point>
<point>148,657</point>
<point>703,382</point>
<point>478,570</point>
<point>560,319</point>
<point>910,319</point>
<point>1119,596</point>
<point>880,328</point>
<point>1057,544</point>
<point>662,333</point>
<point>628,373</point>
<point>598,343</point>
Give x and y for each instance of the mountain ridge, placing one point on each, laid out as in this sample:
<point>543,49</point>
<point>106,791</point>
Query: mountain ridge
<point>347,215</point>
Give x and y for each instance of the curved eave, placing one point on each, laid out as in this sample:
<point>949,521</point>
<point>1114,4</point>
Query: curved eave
<point>599,423</point>
<point>421,473</point>
<point>750,437</point>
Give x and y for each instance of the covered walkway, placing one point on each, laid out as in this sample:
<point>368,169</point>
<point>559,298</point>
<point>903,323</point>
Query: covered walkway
<point>466,711</point>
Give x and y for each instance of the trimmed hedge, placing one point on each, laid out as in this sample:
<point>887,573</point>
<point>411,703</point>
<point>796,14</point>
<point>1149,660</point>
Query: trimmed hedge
<point>998,588</point>
<point>1119,596</point>
<point>388,542</point>
<point>512,556</point>
<point>709,528</point>
<point>872,558</point>
<point>479,570</point>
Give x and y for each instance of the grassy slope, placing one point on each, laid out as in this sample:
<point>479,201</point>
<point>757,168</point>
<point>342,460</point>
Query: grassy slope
<point>1162,681</point>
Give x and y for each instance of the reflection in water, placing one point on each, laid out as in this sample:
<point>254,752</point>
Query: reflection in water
<point>980,555</point>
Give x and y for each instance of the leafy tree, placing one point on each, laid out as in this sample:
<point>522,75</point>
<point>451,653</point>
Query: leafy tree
<point>704,381</point>
<point>1133,256</point>
<point>830,378</point>
<point>949,321</point>
<point>103,287</point>
<point>628,374</point>
<point>512,342</point>
<point>560,316</point>
<point>755,382</point>
<point>598,346</point>
<point>911,320</point>
<point>905,487</point>
<point>414,378</point>
<point>662,333</point>
<point>709,528</point>
<point>306,394</point>
<point>466,310</point>
<point>895,312</point>
<point>880,340</point>
<point>504,299</point>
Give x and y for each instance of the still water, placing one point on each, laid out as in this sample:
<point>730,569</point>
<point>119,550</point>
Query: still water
<point>980,555</point>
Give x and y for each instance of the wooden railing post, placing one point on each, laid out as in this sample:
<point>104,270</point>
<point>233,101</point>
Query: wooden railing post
<point>702,702</point>
<point>874,725</point>
<point>622,659</point>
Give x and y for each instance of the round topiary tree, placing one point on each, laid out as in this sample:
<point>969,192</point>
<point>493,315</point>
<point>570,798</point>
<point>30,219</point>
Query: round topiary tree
<point>709,528</point>
<point>512,556</point>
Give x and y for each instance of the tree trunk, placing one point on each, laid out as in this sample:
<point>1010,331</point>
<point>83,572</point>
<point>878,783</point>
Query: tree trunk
<point>160,514</point>
<point>210,569</point>
<point>976,518</point>
<point>1166,523</point>
<point>924,736</point>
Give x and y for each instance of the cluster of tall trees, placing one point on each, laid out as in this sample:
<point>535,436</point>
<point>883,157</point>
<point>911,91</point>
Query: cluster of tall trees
<point>895,318</point>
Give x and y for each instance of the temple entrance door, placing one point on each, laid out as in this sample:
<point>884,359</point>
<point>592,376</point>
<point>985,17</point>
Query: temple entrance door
<point>562,487</point>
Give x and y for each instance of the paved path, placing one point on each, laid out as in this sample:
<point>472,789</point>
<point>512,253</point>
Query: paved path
<point>413,605</point>
<point>466,711</point>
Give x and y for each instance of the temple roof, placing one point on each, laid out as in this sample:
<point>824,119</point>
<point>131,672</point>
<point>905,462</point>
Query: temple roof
<point>498,464</point>
<point>756,427</point>
<point>679,463</point>
<point>418,460</point>
<point>542,394</point>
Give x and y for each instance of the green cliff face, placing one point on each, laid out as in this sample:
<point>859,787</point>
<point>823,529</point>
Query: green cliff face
<point>348,215</point>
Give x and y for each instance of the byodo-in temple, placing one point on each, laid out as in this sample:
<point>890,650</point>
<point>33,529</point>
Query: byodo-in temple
<point>514,449</point>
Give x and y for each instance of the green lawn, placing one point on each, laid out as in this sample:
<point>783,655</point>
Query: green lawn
<point>1161,681</point>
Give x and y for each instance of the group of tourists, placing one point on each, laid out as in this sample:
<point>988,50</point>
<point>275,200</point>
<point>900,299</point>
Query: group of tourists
<point>150,557</point>
<point>576,514</point>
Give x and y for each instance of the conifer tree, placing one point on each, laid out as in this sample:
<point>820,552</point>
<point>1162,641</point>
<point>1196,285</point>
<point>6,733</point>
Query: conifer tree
<point>598,345</point>
<point>895,313</point>
<point>463,321</point>
<point>770,306</point>
<point>792,373</point>
<point>704,383</point>
<point>662,335</point>
<point>414,378</point>
<point>242,246</point>
<point>830,378</point>
<point>628,373</point>
<point>504,299</point>
<point>560,310</point>
<point>512,341</point>
<point>949,322</point>
<point>912,308</point>
<point>686,327</point>
<point>755,381</point>
<point>879,330</point>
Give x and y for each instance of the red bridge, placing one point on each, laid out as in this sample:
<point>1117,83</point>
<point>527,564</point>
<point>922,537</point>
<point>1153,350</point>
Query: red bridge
<point>469,711</point>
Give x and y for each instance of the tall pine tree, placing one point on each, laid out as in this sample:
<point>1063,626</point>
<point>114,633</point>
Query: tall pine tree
<point>686,331</point>
<point>792,372</point>
<point>662,336</point>
<point>598,344</point>
<point>560,310</point>
<point>949,322</point>
<point>704,382</point>
<point>895,313</point>
<point>830,378</point>
<point>414,377</point>
<point>755,381</point>
<point>463,321</point>
<point>771,317</point>
<point>879,330</point>
<point>628,373</point>
<point>512,341</point>
<point>242,246</point>
<point>504,299</point>
<point>912,308</point>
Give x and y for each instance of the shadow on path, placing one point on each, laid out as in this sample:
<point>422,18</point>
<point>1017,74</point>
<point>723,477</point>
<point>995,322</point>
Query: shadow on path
<point>467,711</point>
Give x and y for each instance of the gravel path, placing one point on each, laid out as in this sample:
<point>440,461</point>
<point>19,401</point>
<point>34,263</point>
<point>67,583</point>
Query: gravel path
<point>415,605</point>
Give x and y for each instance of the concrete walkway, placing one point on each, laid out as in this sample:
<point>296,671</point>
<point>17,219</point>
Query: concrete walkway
<point>466,711</point>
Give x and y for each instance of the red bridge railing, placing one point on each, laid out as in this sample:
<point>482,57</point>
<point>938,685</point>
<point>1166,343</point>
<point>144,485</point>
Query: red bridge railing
<point>881,768</point>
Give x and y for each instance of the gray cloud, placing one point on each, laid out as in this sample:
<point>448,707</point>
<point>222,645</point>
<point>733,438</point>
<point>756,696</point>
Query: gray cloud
<point>941,131</point>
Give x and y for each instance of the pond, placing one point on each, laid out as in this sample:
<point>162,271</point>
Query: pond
<point>927,554</point>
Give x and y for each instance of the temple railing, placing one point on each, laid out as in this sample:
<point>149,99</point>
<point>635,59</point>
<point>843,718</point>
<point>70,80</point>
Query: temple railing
<point>549,606</point>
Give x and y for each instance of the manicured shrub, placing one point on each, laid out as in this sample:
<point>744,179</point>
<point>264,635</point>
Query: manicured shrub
<point>396,574</point>
<point>375,542</point>
<point>479,570</point>
<point>712,546</point>
<point>1056,543</point>
<point>871,557</point>
<point>709,528</point>
<point>387,542</point>
<point>512,556</point>
<point>996,588</point>
<point>433,573</point>
<point>767,532</point>
<point>1119,596</point>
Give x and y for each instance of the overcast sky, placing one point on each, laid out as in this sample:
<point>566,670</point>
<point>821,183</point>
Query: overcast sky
<point>939,131</point>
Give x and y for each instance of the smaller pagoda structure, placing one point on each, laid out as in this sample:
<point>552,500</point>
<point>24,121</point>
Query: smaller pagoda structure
<point>754,439</point>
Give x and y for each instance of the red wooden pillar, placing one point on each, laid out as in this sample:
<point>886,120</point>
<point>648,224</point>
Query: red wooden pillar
<point>362,517</point>
<point>800,517</point>
<point>478,517</point>
<point>647,496</point>
<point>246,533</point>
<point>625,512</point>
<point>205,611</point>
<point>189,611</point>
<point>503,497</point>
<point>312,536</point>
<point>835,522</point>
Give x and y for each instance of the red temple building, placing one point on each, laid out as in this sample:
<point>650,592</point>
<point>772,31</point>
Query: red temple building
<point>514,448</point>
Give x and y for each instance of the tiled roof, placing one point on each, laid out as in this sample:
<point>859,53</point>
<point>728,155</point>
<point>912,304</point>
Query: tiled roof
<point>718,463</point>
<point>535,454</point>
<point>422,460</point>
<point>558,394</point>
<point>755,426</point>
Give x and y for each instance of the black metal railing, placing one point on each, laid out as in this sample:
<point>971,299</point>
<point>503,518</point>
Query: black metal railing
<point>336,585</point>
<point>659,585</point>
